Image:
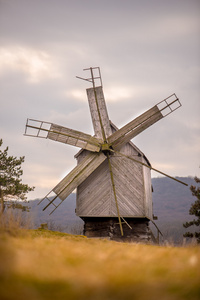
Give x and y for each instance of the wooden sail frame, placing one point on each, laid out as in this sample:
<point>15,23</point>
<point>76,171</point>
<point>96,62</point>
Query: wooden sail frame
<point>62,134</point>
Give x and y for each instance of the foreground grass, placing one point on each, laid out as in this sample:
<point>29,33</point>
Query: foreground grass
<point>49,265</point>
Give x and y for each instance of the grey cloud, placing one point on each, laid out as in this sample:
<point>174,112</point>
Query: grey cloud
<point>149,48</point>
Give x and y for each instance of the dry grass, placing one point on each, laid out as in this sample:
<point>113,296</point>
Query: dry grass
<point>51,265</point>
<point>13,221</point>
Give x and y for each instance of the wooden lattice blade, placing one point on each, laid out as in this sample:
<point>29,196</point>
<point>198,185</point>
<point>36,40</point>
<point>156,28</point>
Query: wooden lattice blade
<point>70,182</point>
<point>129,131</point>
<point>62,134</point>
<point>99,113</point>
<point>73,137</point>
<point>148,118</point>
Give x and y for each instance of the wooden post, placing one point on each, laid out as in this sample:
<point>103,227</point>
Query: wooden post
<point>115,196</point>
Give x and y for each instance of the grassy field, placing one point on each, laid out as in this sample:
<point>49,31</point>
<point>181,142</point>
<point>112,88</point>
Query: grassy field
<point>42,264</point>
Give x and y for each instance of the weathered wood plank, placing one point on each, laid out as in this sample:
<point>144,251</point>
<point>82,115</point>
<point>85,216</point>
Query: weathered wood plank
<point>102,207</point>
<point>73,137</point>
<point>97,188</point>
<point>123,140</point>
<point>78,175</point>
<point>95,195</point>
<point>137,122</point>
<point>99,113</point>
<point>129,189</point>
<point>94,190</point>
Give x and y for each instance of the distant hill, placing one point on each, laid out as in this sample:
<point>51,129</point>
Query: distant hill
<point>171,203</point>
<point>171,199</point>
<point>63,219</point>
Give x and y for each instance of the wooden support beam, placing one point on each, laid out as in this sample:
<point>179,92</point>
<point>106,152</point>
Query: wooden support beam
<point>114,192</point>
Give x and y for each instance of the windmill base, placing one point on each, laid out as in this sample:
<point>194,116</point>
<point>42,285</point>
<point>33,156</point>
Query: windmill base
<point>109,228</point>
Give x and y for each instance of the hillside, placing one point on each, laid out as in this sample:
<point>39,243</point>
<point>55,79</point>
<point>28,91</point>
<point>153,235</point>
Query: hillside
<point>45,265</point>
<point>171,203</point>
<point>63,219</point>
<point>172,200</point>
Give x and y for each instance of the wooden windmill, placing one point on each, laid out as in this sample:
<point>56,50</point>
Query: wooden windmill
<point>112,176</point>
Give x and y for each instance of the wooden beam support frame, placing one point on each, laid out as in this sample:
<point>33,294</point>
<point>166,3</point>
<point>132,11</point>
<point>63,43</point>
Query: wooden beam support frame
<point>114,192</point>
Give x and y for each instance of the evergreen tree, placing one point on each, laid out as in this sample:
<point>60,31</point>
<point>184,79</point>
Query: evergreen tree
<point>11,186</point>
<point>194,210</point>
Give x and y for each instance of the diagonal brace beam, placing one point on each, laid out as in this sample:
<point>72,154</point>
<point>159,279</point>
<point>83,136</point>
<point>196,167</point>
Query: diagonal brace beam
<point>150,167</point>
<point>114,192</point>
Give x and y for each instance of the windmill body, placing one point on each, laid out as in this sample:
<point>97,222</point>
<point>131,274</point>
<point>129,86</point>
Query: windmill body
<point>112,176</point>
<point>95,196</point>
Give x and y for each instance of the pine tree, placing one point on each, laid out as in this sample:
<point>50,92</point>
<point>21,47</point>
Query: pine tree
<point>194,210</point>
<point>11,186</point>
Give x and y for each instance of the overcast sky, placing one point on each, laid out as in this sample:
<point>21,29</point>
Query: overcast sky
<point>146,50</point>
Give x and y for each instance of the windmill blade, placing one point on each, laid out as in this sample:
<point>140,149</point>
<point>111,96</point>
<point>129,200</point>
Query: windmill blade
<point>99,113</point>
<point>66,186</point>
<point>73,137</point>
<point>122,137</point>
<point>97,105</point>
<point>148,118</point>
<point>150,167</point>
<point>62,134</point>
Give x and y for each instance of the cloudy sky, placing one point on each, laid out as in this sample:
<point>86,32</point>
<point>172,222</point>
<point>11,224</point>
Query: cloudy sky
<point>146,50</point>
